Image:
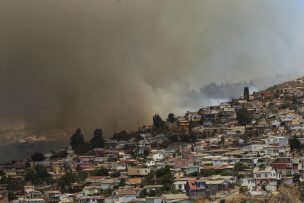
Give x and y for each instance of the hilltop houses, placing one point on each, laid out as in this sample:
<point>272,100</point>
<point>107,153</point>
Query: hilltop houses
<point>252,145</point>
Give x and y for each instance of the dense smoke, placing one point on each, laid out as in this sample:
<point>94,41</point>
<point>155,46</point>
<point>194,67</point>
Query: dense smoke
<point>112,64</point>
<point>232,90</point>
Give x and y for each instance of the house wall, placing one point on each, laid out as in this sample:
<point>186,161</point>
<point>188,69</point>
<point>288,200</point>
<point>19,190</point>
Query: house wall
<point>138,171</point>
<point>249,183</point>
<point>126,198</point>
<point>180,187</point>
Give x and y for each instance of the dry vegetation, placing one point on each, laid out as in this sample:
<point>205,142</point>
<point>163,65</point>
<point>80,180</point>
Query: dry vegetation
<point>286,194</point>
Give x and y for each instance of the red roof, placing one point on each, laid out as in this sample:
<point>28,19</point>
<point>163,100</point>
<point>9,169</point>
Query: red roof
<point>266,94</point>
<point>281,166</point>
<point>192,184</point>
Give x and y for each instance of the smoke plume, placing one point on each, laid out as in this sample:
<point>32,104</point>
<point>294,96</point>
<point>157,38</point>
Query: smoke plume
<point>112,64</point>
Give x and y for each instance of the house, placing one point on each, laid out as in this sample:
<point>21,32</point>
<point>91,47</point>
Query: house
<point>154,189</point>
<point>107,184</point>
<point>213,184</point>
<point>217,185</point>
<point>179,174</point>
<point>266,178</point>
<point>91,190</point>
<point>67,198</point>
<point>90,199</point>
<point>138,171</point>
<point>191,169</point>
<point>150,163</point>
<point>134,181</point>
<point>34,194</point>
<point>276,140</point>
<point>210,115</point>
<point>95,180</point>
<point>153,200</point>
<point>70,154</point>
<point>193,116</point>
<point>180,184</point>
<point>195,189</point>
<point>124,195</point>
<point>52,196</point>
<point>38,200</point>
<point>198,129</point>
<point>166,198</point>
<point>275,124</point>
<point>158,157</point>
<point>29,188</point>
<point>98,152</point>
<point>249,183</point>
<point>285,166</point>
<point>183,124</point>
<point>275,151</point>
<point>266,94</point>
<point>131,162</point>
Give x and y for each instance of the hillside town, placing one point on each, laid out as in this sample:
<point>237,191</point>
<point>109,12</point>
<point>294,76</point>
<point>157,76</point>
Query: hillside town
<point>249,147</point>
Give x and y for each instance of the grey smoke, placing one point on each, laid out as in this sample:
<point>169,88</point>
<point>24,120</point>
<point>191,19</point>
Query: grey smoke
<point>112,64</point>
<point>234,90</point>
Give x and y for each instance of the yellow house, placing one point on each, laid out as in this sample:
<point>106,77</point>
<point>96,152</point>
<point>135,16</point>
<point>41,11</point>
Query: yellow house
<point>179,174</point>
<point>134,181</point>
<point>184,124</point>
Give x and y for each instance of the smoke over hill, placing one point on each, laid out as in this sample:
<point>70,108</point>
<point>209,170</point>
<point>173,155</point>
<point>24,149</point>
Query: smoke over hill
<point>234,90</point>
<point>112,64</point>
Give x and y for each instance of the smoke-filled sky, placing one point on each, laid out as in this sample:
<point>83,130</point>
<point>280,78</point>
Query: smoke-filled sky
<point>112,64</point>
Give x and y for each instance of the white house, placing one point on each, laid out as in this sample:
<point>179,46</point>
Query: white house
<point>193,116</point>
<point>158,157</point>
<point>275,123</point>
<point>38,200</point>
<point>277,140</point>
<point>150,163</point>
<point>180,185</point>
<point>249,183</point>
<point>124,195</point>
<point>266,178</point>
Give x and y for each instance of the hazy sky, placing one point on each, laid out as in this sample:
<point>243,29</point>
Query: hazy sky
<point>112,64</point>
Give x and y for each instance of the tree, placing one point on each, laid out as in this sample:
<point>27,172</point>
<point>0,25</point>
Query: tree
<point>294,143</point>
<point>166,180</point>
<point>2,173</point>
<point>207,172</point>
<point>100,172</point>
<point>246,93</point>
<point>42,172</point>
<point>171,118</point>
<point>67,179</point>
<point>37,156</point>
<point>115,174</point>
<point>123,135</point>
<point>243,117</point>
<point>11,196</point>
<point>81,176</point>
<point>77,142</point>
<point>240,166</point>
<point>59,155</point>
<point>163,171</point>
<point>158,121</point>
<point>14,184</point>
<point>97,141</point>
<point>38,175</point>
